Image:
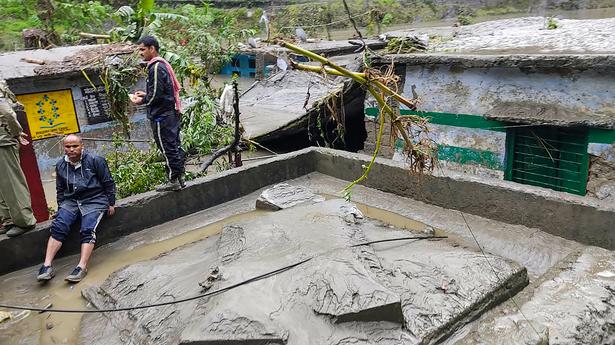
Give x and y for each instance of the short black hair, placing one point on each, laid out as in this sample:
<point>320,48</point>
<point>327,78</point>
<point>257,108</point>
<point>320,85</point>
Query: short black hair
<point>149,41</point>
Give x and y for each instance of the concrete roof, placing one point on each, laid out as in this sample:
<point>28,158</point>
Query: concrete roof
<point>275,104</point>
<point>528,61</point>
<point>12,67</point>
<point>528,35</point>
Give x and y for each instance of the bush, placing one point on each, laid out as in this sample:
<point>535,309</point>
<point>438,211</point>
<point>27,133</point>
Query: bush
<point>134,171</point>
<point>465,20</point>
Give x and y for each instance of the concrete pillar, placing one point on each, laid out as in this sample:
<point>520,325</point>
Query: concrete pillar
<point>259,74</point>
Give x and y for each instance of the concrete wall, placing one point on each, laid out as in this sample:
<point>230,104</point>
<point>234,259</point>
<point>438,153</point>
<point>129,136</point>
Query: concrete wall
<point>561,214</point>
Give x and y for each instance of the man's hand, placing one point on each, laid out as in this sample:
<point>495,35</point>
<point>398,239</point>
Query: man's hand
<point>135,99</point>
<point>140,94</point>
<point>111,211</point>
<point>23,139</point>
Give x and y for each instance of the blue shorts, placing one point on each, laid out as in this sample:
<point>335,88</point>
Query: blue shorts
<point>60,227</point>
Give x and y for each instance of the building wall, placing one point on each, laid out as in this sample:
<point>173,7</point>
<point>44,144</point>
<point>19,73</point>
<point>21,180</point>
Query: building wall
<point>455,100</point>
<point>48,151</point>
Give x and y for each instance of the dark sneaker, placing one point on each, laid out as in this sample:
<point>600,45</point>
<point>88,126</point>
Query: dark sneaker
<point>6,225</point>
<point>45,273</point>
<point>76,275</point>
<point>16,231</point>
<point>173,185</point>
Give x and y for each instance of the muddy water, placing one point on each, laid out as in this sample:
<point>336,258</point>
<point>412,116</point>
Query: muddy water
<point>60,328</point>
<point>21,288</point>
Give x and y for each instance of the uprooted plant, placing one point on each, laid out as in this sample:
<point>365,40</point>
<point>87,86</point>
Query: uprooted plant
<point>117,75</point>
<point>412,129</point>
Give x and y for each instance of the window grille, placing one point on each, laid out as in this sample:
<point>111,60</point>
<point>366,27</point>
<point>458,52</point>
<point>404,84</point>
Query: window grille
<point>551,157</point>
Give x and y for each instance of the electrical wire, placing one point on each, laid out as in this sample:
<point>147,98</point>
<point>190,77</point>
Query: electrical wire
<point>495,273</point>
<point>216,292</point>
<point>325,24</point>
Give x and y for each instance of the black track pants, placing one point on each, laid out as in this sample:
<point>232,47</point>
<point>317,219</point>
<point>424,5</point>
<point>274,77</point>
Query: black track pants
<point>166,134</point>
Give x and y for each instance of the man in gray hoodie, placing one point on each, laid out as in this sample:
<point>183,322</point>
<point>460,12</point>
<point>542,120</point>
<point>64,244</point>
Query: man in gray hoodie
<point>15,205</point>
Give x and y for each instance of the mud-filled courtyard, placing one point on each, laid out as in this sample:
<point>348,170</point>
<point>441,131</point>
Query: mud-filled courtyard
<point>338,283</point>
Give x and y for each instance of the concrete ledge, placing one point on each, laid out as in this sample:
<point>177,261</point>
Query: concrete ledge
<point>569,216</point>
<point>525,61</point>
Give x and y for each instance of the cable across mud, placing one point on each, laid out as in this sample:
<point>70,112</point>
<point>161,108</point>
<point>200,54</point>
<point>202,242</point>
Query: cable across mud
<point>219,291</point>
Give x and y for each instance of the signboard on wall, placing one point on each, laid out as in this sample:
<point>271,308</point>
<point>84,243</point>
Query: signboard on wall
<point>96,104</point>
<point>50,113</point>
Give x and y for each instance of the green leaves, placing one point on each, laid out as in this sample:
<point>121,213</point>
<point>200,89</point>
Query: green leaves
<point>200,133</point>
<point>125,12</point>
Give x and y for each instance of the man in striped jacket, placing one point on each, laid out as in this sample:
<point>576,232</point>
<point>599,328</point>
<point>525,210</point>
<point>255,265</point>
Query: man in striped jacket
<point>163,110</point>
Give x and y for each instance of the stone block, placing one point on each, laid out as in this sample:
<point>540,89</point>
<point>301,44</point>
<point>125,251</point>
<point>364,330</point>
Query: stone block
<point>283,196</point>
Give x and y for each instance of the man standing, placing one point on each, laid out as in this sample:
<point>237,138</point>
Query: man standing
<point>85,191</point>
<point>163,110</point>
<point>15,205</point>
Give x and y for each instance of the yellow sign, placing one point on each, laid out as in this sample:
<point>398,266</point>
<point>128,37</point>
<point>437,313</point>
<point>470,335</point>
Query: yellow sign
<point>50,113</point>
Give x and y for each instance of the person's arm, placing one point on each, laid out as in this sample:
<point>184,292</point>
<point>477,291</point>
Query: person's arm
<point>104,175</point>
<point>10,118</point>
<point>159,82</point>
<point>60,187</point>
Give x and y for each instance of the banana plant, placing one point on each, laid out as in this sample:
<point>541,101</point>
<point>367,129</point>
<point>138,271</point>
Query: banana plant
<point>136,23</point>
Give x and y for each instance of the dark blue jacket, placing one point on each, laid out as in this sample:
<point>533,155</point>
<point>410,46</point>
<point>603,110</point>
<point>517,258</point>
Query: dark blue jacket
<point>159,96</point>
<point>91,183</point>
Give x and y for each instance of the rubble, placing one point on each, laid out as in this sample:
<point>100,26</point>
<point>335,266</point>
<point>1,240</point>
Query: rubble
<point>85,58</point>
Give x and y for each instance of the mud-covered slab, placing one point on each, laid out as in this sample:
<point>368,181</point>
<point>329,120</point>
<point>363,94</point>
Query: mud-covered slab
<point>284,195</point>
<point>403,292</point>
<point>574,304</point>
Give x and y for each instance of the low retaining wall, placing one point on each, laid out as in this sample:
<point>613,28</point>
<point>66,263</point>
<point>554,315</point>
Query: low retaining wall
<point>557,213</point>
<point>561,214</point>
<point>145,210</point>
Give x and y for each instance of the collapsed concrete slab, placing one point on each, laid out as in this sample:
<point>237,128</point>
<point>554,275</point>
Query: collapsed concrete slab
<point>293,108</point>
<point>395,293</point>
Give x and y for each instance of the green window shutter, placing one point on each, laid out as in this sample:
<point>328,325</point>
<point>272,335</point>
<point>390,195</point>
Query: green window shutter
<point>550,157</point>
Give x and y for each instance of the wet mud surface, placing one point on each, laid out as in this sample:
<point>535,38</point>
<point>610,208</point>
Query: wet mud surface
<point>390,293</point>
<point>415,290</point>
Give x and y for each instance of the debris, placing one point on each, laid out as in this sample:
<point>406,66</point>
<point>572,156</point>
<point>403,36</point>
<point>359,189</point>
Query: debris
<point>35,61</point>
<point>49,325</point>
<point>606,274</point>
<point>211,279</point>
<point>301,34</point>
<point>85,58</point>
<point>408,44</point>
<point>4,315</point>
<point>48,306</point>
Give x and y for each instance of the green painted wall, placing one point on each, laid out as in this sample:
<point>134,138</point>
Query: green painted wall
<point>488,159</point>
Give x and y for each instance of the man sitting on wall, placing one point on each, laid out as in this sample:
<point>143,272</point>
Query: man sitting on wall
<point>85,191</point>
